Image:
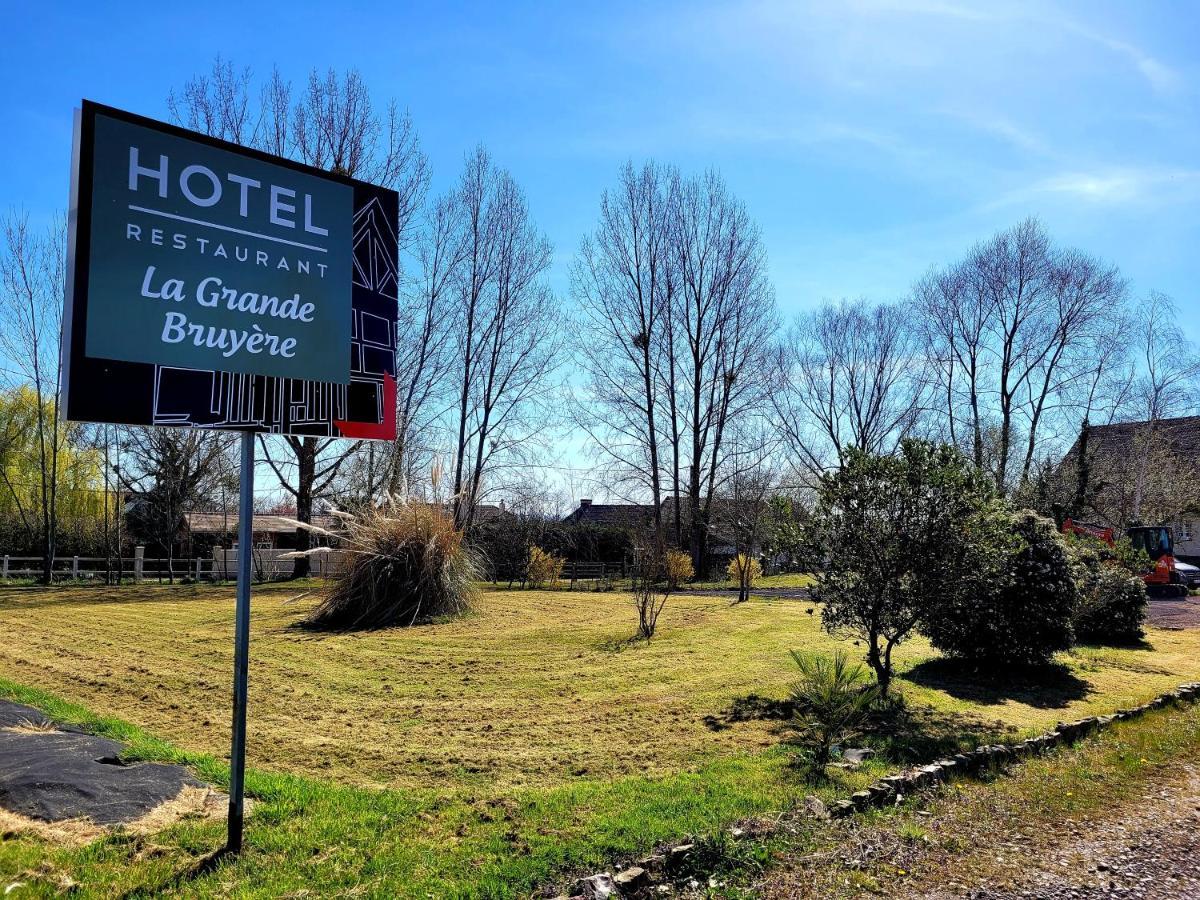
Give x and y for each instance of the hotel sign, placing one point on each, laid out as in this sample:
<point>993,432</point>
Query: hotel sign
<point>192,255</point>
<point>210,259</point>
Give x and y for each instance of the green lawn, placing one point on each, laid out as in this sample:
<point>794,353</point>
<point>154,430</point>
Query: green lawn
<point>477,757</point>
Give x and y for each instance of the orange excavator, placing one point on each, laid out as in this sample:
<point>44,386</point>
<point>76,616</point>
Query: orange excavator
<point>1159,544</point>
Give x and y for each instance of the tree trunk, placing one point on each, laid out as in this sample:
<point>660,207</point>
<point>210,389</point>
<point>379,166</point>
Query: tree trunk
<point>880,664</point>
<point>306,474</point>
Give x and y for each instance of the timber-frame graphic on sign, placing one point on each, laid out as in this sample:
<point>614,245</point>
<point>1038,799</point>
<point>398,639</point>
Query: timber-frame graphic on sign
<point>161,394</point>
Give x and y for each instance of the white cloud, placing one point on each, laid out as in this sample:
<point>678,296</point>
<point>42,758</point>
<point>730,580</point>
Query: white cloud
<point>1161,77</point>
<point>1110,187</point>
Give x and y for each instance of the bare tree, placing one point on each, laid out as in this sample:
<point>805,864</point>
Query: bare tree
<point>33,282</point>
<point>1012,333</point>
<point>954,317</point>
<point>677,318</point>
<point>1083,295</point>
<point>506,332</point>
<point>332,125</point>
<point>170,471</point>
<point>625,282</point>
<point>745,511</point>
<point>1167,386</point>
<point>723,319</point>
<point>848,376</point>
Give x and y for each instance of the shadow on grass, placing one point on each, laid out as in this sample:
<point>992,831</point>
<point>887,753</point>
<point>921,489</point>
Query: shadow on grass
<point>1050,686</point>
<point>917,734</point>
<point>200,868</point>
<point>621,644</point>
<point>898,732</point>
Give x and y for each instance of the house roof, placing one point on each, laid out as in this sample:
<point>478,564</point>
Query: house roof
<point>220,523</point>
<point>615,515</point>
<point>1181,435</point>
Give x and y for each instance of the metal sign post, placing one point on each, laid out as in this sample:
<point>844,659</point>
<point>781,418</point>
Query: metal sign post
<point>167,230</point>
<point>241,648</point>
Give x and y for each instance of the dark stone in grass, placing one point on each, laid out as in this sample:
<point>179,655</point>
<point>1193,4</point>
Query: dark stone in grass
<point>632,879</point>
<point>861,799</point>
<point>841,808</point>
<point>677,856</point>
<point>881,792</point>
<point>815,807</point>
<point>653,863</point>
<point>596,887</point>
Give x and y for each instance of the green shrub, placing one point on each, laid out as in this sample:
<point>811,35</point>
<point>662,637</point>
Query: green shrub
<point>1017,595</point>
<point>832,699</point>
<point>1112,607</point>
<point>404,566</point>
<point>891,529</point>
<point>1111,596</point>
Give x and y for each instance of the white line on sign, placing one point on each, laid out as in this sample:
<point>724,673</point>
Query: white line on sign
<point>265,237</point>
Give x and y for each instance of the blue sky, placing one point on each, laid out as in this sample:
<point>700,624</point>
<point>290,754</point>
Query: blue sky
<point>869,139</point>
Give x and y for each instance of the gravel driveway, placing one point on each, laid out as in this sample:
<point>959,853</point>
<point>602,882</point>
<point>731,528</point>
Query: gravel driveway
<point>1151,851</point>
<point>1184,613</point>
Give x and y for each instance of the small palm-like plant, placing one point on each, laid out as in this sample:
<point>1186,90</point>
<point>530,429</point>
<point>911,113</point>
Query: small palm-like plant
<point>833,698</point>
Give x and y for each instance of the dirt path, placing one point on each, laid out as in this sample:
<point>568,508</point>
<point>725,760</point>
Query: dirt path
<point>1149,850</point>
<point>1184,613</point>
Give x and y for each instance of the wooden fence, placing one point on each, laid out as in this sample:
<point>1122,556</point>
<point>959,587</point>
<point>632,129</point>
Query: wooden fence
<point>267,565</point>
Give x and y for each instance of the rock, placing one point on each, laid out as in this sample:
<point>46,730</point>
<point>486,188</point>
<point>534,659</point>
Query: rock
<point>652,863</point>
<point>932,773</point>
<point>861,799</point>
<point>881,792</point>
<point>815,807</point>
<point>841,809</point>
<point>632,879</point>
<point>597,887</point>
<point>858,755</point>
<point>677,856</point>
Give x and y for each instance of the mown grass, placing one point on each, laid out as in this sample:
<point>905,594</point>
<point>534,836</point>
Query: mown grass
<point>784,580</point>
<point>478,757</point>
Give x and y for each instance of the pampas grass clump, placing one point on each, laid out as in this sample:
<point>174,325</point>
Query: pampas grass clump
<point>402,566</point>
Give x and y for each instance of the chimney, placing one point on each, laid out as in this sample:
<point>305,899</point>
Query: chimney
<point>583,504</point>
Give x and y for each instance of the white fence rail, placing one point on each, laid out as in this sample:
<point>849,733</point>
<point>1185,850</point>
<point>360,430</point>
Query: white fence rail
<point>267,565</point>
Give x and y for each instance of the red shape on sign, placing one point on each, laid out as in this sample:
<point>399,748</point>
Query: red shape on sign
<point>375,431</point>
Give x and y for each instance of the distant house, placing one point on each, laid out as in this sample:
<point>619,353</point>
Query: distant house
<point>270,532</point>
<point>611,515</point>
<point>721,545</point>
<point>1147,472</point>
